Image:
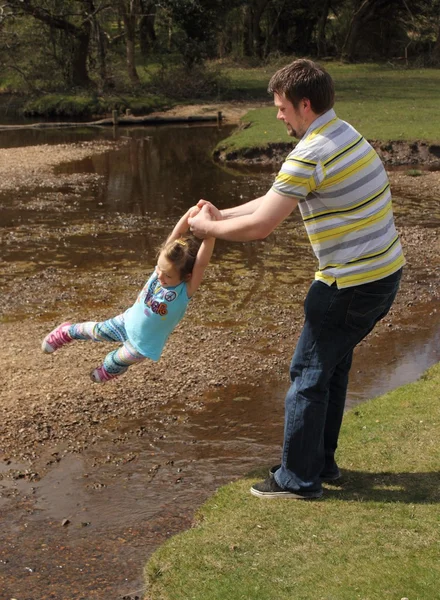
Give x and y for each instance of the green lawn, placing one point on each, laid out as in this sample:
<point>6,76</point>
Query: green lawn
<point>383,103</point>
<point>375,536</point>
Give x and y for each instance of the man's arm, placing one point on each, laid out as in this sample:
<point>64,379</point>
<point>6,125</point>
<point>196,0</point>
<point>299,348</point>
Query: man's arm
<point>267,213</point>
<point>230,213</point>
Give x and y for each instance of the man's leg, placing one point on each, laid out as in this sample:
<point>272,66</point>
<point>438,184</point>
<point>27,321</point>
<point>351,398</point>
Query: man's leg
<point>316,357</point>
<point>335,411</point>
<point>335,322</point>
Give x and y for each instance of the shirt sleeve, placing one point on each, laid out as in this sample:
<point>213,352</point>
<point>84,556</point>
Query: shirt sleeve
<point>296,178</point>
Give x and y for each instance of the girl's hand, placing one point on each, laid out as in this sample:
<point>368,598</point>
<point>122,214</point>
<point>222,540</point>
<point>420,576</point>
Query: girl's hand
<point>193,211</point>
<point>215,213</point>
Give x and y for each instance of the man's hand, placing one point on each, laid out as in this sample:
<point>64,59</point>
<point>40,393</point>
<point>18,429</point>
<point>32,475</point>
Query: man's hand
<point>217,215</point>
<point>200,224</point>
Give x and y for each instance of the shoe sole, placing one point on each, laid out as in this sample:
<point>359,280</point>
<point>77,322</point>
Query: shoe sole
<point>285,495</point>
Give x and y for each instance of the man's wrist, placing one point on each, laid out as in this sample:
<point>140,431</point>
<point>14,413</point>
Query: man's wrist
<point>209,229</point>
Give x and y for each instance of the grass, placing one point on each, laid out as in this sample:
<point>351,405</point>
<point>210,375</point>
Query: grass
<point>381,102</point>
<point>375,536</point>
<point>85,105</point>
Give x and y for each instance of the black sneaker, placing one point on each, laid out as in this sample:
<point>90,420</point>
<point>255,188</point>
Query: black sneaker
<point>270,489</point>
<point>325,477</point>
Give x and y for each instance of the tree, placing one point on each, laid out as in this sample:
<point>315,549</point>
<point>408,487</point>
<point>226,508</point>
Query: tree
<point>363,14</point>
<point>147,32</point>
<point>196,23</point>
<point>321,40</point>
<point>253,39</point>
<point>129,11</point>
<point>74,29</point>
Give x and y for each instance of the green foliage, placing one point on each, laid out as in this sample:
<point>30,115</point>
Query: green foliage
<point>181,82</point>
<point>84,106</point>
<point>53,46</point>
<point>195,25</point>
<point>373,536</point>
<point>57,105</point>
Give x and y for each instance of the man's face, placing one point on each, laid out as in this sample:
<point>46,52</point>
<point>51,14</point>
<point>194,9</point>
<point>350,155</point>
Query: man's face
<point>293,118</point>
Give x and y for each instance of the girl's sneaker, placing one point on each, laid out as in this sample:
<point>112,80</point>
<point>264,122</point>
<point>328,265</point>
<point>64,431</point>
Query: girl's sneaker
<point>56,338</point>
<point>100,375</point>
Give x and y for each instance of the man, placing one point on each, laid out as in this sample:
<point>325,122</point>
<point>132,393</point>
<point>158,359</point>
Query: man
<point>342,190</point>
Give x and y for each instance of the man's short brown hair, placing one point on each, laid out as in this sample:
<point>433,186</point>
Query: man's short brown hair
<point>304,79</point>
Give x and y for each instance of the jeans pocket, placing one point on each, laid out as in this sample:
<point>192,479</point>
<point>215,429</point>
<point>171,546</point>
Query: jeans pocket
<point>366,308</point>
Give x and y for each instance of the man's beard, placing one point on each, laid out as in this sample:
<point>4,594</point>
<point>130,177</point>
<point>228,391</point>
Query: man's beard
<point>291,132</point>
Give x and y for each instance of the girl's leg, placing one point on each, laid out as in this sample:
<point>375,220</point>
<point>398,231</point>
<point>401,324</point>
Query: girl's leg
<point>117,362</point>
<point>112,330</point>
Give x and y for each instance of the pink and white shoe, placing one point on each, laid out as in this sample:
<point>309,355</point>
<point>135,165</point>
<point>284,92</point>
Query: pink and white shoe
<point>56,338</point>
<point>100,375</point>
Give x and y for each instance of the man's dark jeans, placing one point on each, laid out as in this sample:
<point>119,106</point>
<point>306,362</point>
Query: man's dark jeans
<point>336,320</point>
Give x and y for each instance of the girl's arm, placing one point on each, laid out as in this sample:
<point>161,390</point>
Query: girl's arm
<point>203,257</point>
<point>182,225</point>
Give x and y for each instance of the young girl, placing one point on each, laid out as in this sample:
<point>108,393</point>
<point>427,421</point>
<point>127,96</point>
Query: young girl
<point>144,328</point>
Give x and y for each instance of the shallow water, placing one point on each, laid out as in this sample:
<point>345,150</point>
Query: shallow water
<point>120,504</point>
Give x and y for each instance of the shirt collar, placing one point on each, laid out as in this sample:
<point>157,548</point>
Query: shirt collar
<point>320,121</point>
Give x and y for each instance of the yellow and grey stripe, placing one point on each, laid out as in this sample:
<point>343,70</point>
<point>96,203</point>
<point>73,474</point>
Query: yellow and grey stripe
<point>345,201</point>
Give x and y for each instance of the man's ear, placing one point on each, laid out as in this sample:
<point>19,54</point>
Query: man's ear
<point>188,277</point>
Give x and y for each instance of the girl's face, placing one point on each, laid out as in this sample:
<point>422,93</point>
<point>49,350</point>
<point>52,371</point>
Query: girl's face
<point>167,273</point>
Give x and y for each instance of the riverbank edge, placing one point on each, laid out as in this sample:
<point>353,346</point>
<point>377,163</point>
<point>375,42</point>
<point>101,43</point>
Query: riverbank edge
<point>392,153</point>
<point>394,480</point>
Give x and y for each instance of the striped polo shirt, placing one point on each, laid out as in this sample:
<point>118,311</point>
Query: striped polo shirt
<point>345,202</point>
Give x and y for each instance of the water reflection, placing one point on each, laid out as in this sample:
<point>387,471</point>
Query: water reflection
<point>164,170</point>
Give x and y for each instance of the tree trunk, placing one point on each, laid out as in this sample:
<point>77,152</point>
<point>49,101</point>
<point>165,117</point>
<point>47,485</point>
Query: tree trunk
<point>357,19</point>
<point>98,36</point>
<point>80,36</point>
<point>436,49</point>
<point>147,32</point>
<point>321,41</point>
<point>253,39</point>
<point>80,75</point>
<point>129,18</point>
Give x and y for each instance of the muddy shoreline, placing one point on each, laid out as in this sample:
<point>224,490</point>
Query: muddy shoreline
<point>392,153</point>
<point>48,409</point>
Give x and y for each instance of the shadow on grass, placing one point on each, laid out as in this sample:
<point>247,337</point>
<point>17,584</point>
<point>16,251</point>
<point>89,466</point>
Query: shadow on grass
<point>409,488</point>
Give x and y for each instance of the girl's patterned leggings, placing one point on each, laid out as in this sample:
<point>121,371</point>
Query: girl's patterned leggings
<point>113,330</point>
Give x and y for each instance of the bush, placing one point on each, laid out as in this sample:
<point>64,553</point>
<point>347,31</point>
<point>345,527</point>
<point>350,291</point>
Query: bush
<point>81,107</point>
<point>182,83</point>
<point>57,105</point>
